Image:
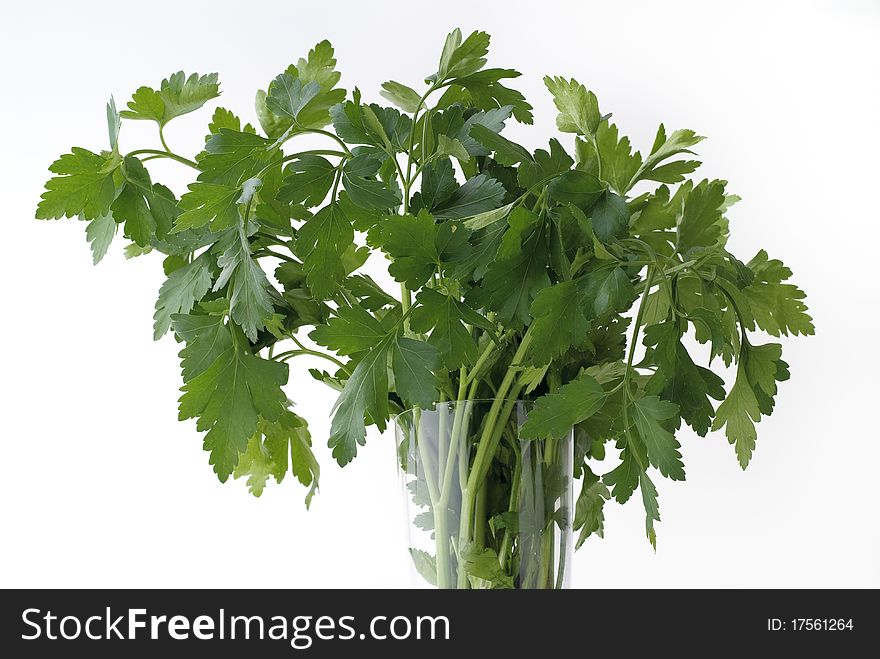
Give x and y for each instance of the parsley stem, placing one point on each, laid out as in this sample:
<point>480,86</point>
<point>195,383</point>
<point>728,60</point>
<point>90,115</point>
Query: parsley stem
<point>627,394</point>
<point>284,356</point>
<point>318,131</point>
<point>502,406</point>
<point>265,251</point>
<point>162,138</point>
<point>164,154</point>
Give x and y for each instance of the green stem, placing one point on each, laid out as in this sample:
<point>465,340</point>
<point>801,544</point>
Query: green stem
<point>284,356</point>
<point>164,154</point>
<point>162,138</point>
<point>512,506</point>
<point>488,444</point>
<point>485,451</point>
<point>480,518</point>
<point>627,394</point>
<point>318,131</point>
<point>265,251</point>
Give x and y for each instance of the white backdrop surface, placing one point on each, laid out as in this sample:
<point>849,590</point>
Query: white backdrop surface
<point>101,486</point>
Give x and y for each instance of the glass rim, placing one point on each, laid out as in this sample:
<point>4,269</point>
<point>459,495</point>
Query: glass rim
<point>410,410</point>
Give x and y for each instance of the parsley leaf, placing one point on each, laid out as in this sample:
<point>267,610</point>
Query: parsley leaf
<point>365,395</point>
<point>760,367</point>
<point>177,95</point>
<point>519,270</point>
<point>415,364</point>
<point>578,107</point>
<point>183,288</point>
<point>353,329</point>
<point>445,317</point>
<point>662,447</point>
<point>778,308</point>
<point>478,195</point>
<point>680,380</point>
<point>559,321</point>
<point>99,233</point>
<point>555,413</point>
<point>249,300</point>
<point>229,398</point>
<point>321,243</point>
<point>84,186</point>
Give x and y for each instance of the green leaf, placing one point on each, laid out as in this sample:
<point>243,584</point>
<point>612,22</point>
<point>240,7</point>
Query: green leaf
<point>445,317</point>
<point>559,322</point>
<point>206,337</point>
<point>462,58</point>
<point>438,183</point>
<point>134,205</point>
<point>624,478</point>
<point>664,148</point>
<point>493,120</point>
<point>608,288</point>
<point>652,508</point>
<point>578,107</point>
<point>177,95</point>
<point>680,380</point>
<point>619,165</point>
<point>662,447</point>
<point>365,394</point>
<point>208,204</point>
<point>319,69</point>
<point>484,244</point>
<point>84,186</point>
<point>778,308</point>
<point>760,367</point>
<point>544,165</point>
<point>483,564</point>
<point>406,98</point>
<point>114,123</point>
<point>425,564</point>
<point>288,96</point>
<point>506,152</point>
<point>319,66</point>
<point>610,217</point>
<point>415,365</point>
<point>223,118</point>
<point>519,270</point>
<point>229,398</point>
<point>700,221</point>
<point>576,187</point>
<point>250,304</point>
<point>482,220</point>
<point>483,90</point>
<point>364,190</point>
<point>554,414</point>
<point>99,233</point>
<point>179,293</point>
<point>384,128</point>
<point>257,464</point>
<point>589,512</point>
<point>478,195</point>
<point>278,446</point>
<point>303,464</point>
<point>307,180</point>
<point>321,243</point>
<point>232,156</point>
<point>352,330</point>
<point>449,146</point>
<point>411,241</point>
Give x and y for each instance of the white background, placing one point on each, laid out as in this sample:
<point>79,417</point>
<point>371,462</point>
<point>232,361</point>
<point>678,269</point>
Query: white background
<point>101,486</point>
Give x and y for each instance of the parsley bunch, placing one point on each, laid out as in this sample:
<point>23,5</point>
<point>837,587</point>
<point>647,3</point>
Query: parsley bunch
<point>523,274</point>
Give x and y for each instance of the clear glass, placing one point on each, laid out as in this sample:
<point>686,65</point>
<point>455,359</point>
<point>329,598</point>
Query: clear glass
<point>485,508</point>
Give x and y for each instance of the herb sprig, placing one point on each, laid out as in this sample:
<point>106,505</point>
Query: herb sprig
<point>522,273</point>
